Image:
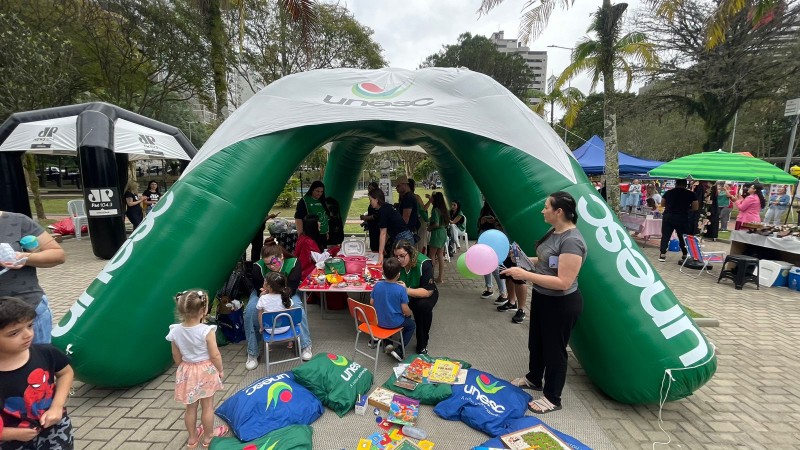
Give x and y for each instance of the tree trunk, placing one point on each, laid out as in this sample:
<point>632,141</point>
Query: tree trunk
<point>610,121</point>
<point>29,164</point>
<point>216,37</point>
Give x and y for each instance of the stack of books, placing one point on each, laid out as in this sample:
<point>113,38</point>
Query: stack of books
<point>423,372</point>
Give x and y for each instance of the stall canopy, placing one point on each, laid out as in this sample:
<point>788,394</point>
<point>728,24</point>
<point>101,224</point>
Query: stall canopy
<point>591,157</point>
<point>58,136</point>
<point>720,165</point>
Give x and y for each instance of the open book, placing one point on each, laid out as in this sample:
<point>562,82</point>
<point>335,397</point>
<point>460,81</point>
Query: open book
<point>520,258</point>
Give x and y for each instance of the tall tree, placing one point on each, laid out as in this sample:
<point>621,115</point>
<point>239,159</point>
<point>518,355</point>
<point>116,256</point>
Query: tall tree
<point>536,14</point>
<point>569,99</point>
<point>611,53</point>
<point>750,64</point>
<point>270,44</point>
<point>301,12</point>
<point>479,54</point>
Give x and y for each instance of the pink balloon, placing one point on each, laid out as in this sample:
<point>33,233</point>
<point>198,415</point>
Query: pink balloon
<point>481,259</point>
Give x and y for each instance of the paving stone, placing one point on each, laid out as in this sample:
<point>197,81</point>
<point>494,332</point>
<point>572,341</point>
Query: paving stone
<point>757,366</point>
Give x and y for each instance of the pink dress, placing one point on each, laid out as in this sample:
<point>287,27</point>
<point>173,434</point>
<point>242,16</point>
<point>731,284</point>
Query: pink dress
<point>749,209</point>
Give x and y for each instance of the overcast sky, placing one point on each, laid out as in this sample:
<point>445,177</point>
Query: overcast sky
<point>411,30</point>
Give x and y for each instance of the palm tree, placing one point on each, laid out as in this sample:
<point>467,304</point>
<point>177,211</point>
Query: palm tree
<point>569,99</point>
<point>609,55</point>
<point>536,14</point>
<point>302,12</point>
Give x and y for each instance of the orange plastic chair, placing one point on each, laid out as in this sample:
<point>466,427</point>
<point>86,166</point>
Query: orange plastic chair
<point>366,321</point>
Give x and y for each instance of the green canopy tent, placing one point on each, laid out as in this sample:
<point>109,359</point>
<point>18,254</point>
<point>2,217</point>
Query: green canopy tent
<point>720,165</point>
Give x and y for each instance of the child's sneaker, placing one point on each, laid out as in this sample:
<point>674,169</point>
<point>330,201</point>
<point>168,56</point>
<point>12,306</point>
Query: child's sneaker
<point>388,347</point>
<point>398,355</point>
<point>252,362</point>
<point>372,343</point>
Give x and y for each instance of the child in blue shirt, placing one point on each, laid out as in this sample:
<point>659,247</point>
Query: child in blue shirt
<point>390,300</point>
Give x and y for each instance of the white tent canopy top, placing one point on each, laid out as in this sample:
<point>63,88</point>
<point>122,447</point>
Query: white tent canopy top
<point>58,136</point>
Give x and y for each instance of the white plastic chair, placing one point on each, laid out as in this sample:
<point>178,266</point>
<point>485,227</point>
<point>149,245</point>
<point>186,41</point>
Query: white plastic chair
<point>77,212</point>
<point>464,235</point>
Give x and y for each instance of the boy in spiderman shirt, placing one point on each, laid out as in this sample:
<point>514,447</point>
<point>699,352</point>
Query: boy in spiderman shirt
<point>31,402</point>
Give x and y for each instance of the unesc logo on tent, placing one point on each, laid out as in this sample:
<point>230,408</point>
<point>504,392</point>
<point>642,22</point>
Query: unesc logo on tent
<point>375,95</point>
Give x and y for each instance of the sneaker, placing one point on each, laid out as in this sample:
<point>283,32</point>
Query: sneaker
<point>398,355</point>
<point>388,348</point>
<point>486,294</point>
<point>507,307</point>
<point>252,362</point>
<point>662,257</point>
<point>519,316</point>
<point>306,354</point>
<point>424,351</point>
<point>372,343</point>
<point>501,301</point>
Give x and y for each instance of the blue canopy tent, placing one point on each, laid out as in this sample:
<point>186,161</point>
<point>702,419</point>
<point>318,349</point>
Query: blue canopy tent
<point>591,157</point>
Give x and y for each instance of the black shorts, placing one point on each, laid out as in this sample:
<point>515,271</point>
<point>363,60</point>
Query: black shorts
<point>510,263</point>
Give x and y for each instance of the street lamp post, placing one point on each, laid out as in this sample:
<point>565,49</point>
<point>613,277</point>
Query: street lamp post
<point>569,83</point>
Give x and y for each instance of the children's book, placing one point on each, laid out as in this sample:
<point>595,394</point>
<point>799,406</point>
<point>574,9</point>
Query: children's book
<point>536,437</point>
<point>405,444</point>
<point>462,377</point>
<point>417,370</point>
<point>444,371</point>
<point>405,383</point>
<point>403,410</point>
<point>381,398</point>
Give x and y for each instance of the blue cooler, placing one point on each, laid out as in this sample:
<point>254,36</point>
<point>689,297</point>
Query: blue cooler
<point>773,273</point>
<point>794,278</point>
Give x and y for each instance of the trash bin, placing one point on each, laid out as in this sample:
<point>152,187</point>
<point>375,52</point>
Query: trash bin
<point>794,279</point>
<point>773,273</point>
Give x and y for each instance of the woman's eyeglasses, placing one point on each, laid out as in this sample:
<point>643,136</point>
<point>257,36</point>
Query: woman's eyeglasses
<point>400,255</point>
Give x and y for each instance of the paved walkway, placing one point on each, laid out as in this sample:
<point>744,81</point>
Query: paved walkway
<point>753,401</point>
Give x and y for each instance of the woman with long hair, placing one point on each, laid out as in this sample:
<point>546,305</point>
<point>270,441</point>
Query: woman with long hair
<point>152,195</point>
<point>750,206</point>
<point>417,275</point>
<point>458,222</point>
<point>391,224</point>
<point>134,202</point>
<point>274,258</point>
<point>371,219</point>
<point>438,221</point>
<point>556,302</point>
<point>313,202</point>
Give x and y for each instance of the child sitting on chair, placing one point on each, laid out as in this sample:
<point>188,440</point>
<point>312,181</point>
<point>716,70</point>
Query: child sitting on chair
<point>390,300</point>
<point>275,296</point>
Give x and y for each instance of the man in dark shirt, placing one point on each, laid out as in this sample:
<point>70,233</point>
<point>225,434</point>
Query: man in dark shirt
<point>408,203</point>
<point>677,203</point>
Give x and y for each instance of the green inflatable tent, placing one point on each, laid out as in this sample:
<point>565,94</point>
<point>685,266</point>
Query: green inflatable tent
<point>633,331</point>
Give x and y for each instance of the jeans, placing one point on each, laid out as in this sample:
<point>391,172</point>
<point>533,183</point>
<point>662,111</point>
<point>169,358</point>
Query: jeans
<point>724,218</point>
<point>500,284</point>
<point>774,215</point>
<point>251,325</point>
<point>43,322</point>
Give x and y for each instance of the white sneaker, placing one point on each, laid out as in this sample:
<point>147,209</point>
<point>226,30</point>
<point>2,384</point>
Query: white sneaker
<point>388,348</point>
<point>252,362</point>
<point>306,355</point>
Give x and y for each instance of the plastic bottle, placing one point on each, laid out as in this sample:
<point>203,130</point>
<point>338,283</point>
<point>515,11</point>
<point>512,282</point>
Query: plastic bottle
<point>29,243</point>
<point>414,432</point>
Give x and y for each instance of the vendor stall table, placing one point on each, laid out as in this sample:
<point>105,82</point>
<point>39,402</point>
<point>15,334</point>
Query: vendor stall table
<point>645,226</point>
<point>766,247</point>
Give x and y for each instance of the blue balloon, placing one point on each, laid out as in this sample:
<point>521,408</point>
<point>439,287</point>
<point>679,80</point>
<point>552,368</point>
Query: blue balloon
<point>498,241</point>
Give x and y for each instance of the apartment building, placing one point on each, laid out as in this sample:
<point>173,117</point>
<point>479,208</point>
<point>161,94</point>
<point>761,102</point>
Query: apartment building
<point>536,60</point>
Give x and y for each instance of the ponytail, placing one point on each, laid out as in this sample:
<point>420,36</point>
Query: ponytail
<point>286,297</point>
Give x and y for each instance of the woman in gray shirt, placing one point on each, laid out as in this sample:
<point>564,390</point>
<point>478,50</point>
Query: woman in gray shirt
<point>556,302</point>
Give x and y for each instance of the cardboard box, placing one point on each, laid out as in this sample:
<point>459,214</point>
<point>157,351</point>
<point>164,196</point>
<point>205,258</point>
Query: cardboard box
<point>381,398</point>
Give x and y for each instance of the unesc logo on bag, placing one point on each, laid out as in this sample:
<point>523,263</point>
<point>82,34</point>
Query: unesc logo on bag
<point>482,382</point>
<point>278,391</point>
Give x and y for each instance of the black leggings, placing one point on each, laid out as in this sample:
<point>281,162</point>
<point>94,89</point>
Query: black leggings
<point>552,320</point>
<point>423,315</point>
<point>679,223</point>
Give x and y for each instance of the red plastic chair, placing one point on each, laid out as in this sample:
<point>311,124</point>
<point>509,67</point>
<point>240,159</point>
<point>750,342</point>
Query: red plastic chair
<point>695,252</point>
<point>366,321</point>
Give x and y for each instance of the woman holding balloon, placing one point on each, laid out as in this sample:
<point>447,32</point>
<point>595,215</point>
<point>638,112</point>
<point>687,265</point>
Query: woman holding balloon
<point>556,302</point>
<point>417,276</point>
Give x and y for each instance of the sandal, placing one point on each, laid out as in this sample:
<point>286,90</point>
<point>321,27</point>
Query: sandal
<point>524,383</point>
<point>219,431</point>
<point>192,446</point>
<point>542,406</point>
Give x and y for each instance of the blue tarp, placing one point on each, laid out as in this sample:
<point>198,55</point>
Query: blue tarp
<point>591,157</point>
